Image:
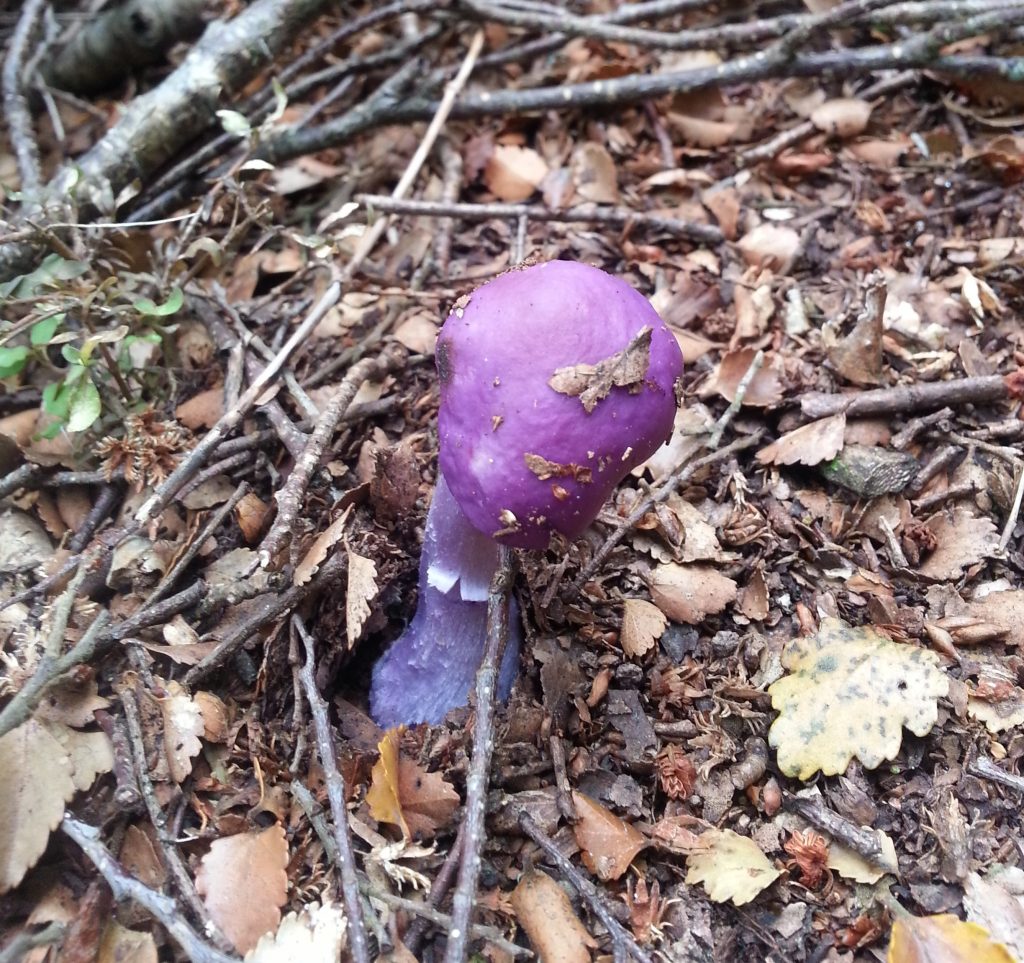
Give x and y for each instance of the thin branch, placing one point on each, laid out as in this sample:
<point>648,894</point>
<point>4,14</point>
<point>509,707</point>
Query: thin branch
<point>17,949</point>
<point>887,401</point>
<point>336,796</point>
<point>737,402</point>
<point>18,115</point>
<point>622,941</point>
<point>592,213</point>
<point>125,887</point>
<point>464,898</point>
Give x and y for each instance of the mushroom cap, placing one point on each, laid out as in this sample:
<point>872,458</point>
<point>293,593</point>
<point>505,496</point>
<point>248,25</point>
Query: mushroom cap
<point>556,380</point>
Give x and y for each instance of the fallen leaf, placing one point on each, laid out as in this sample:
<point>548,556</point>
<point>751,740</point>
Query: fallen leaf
<point>383,795</point>
<point>608,843</point>
<point>689,593</point>
<point>770,246</point>
<point>763,391</point>
<point>849,692</point>
<point>183,727</point>
<point>594,175</point>
<point>203,410</point>
<point>318,551</point>
<point>731,867</point>
<point>514,173</point>
<point>642,626</point>
<point>122,945</point>
<point>963,539</point>
<point>316,934</point>
<point>592,382</point>
<point>1000,714</point>
<point>942,939</point>
<point>251,512</point>
<point>360,591</point>
<point>243,883</point>
<point>851,865</point>
<point>842,117</point>
<point>810,444</point>
<point>978,294</point>
<point>996,901</point>
<point>546,915</point>
<point>418,333</point>
<point>752,600</point>
<point>35,783</point>
<point>90,753</point>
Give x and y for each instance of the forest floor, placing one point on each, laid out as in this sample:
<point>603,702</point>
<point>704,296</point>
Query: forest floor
<point>770,704</point>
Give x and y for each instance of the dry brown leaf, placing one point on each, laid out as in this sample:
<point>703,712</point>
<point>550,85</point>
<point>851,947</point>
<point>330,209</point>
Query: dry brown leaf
<point>1004,610</point>
<point>202,410</point>
<point>139,856</point>
<point>642,626</point>
<point>593,173</point>
<point>842,117</point>
<point>360,591</point>
<point>701,132</point>
<point>810,444</point>
<point>943,939</point>
<point>215,716</point>
<point>318,551</point>
<point>724,203</point>
<point>770,246</point>
<point>35,783</point>
<point>183,727</point>
<point>546,915</point>
<point>591,383</point>
<point>997,903</point>
<point>689,593</point>
<point>251,512</point>
<point>999,714</point>
<point>755,306</point>
<point>121,945</point>
<point>90,753</point>
<point>763,391</point>
<point>403,794</point>
<point>963,539</point>
<point>74,705</point>
<point>514,173</point>
<point>752,600</point>
<point>608,843</point>
<point>243,883</point>
<point>418,333</point>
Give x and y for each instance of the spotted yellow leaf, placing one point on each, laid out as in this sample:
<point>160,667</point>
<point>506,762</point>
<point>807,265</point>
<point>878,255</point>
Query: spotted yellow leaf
<point>849,692</point>
<point>731,867</point>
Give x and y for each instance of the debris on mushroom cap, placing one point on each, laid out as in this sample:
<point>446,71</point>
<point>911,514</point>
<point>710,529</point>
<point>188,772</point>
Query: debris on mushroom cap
<point>556,380</point>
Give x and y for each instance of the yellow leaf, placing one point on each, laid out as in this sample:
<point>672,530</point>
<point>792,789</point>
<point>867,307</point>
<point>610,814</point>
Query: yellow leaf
<point>943,939</point>
<point>383,795</point>
<point>849,693</point>
<point>608,843</point>
<point>545,913</point>
<point>642,625</point>
<point>732,867</point>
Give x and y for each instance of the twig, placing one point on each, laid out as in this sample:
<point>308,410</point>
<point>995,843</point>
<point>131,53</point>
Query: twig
<point>451,163</point>
<point>864,842</point>
<point>442,882</point>
<point>18,116</point>
<point>22,477</point>
<point>737,402</point>
<point>1011,519</point>
<point>17,949</point>
<point>987,769</point>
<point>591,213</point>
<point>106,499</point>
<point>231,419</point>
<point>464,898</point>
<point>906,435</point>
<point>125,887</point>
<point>336,795</point>
<point>622,941</point>
<point>887,401</point>
<point>669,485</point>
<point>289,499</point>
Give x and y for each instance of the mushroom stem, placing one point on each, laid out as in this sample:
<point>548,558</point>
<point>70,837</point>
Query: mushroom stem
<point>430,668</point>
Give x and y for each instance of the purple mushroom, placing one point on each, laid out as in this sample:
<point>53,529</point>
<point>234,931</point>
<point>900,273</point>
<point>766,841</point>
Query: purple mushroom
<point>556,380</point>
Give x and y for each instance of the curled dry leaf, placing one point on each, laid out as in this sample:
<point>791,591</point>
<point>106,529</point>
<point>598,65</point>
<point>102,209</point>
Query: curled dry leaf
<point>999,714</point>
<point>545,913</point>
<point>851,865</point>
<point>514,173</point>
<point>763,391</point>
<point>752,600</point>
<point>608,843</point>
<point>320,548</point>
<point>251,512</point>
<point>594,175</point>
<point>316,934</point>
<point>361,590</point>
<point>943,939</point>
<point>122,945</point>
<point>243,883</point>
<point>689,593</point>
<point>731,867</point>
<point>842,117</point>
<point>809,444</point>
<point>963,539</point>
<point>36,780</point>
<point>770,246</point>
<point>849,692</point>
<point>183,727</point>
<point>642,626</point>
